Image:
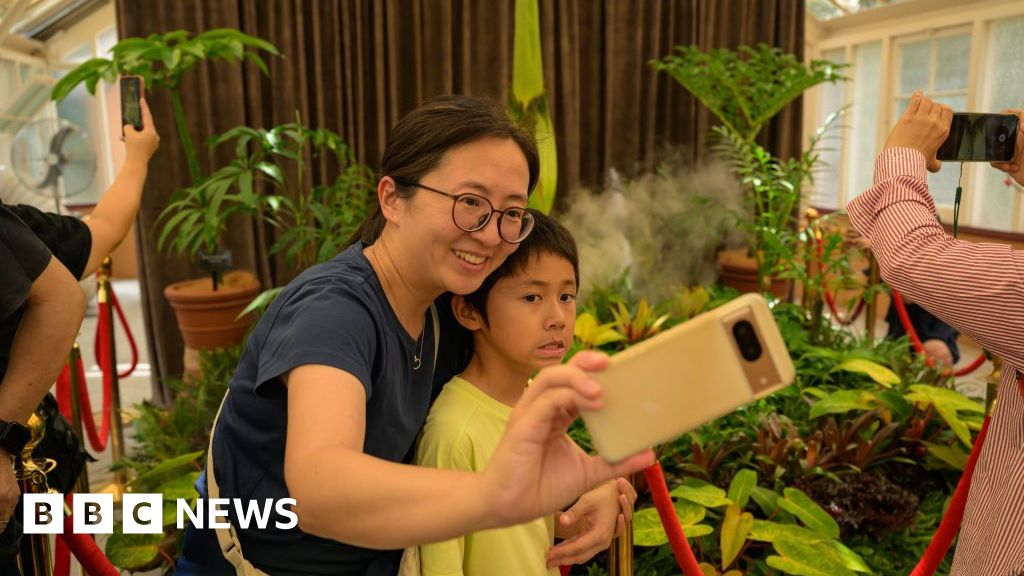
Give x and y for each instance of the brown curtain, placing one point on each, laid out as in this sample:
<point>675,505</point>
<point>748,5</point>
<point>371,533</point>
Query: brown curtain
<point>356,66</point>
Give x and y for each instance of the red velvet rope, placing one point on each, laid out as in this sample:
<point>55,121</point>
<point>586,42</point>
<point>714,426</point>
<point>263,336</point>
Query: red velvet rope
<point>950,524</point>
<point>88,554</point>
<point>830,299</point>
<point>101,340</point>
<point>915,340</point>
<point>98,440</point>
<point>667,511</point>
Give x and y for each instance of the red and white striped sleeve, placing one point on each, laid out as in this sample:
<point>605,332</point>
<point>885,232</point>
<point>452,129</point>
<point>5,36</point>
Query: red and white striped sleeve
<point>978,288</point>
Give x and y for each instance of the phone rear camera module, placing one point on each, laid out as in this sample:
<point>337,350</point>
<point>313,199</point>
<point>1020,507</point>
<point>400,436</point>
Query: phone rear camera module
<point>746,340</point>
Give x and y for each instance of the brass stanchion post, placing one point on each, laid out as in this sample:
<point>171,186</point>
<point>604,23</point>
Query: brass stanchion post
<point>82,483</point>
<point>117,430</point>
<point>35,553</point>
<point>620,553</point>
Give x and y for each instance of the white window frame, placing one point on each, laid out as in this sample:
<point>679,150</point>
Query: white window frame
<point>894,25</point>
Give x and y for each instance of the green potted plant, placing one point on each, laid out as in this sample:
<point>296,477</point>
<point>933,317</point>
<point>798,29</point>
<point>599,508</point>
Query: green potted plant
<point>207,309</point>
<point>744,89</point>
<point>314,220</point>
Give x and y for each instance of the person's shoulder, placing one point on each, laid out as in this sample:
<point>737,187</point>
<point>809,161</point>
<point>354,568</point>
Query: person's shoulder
<point>348,277</point>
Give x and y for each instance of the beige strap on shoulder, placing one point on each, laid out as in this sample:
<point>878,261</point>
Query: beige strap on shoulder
<point>227,538</point>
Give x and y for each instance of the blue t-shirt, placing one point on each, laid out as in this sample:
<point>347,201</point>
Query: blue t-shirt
<point>335,314</point>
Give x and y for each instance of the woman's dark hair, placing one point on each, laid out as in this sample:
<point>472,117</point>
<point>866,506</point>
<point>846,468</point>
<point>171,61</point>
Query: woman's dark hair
<point>419,141</point>
<point>547,237</point>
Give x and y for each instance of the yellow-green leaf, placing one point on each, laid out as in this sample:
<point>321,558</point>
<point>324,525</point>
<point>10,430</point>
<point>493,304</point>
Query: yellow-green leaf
<point>951,455</point>
<point>880,374</point>
<point>810,559</point>
<point>813,516</point>
<point>708,569</point>
<point>736,527</point>
<point>592,335</point>
<point>648,530</point>
<point>742,486</point>
<point>702,493</point>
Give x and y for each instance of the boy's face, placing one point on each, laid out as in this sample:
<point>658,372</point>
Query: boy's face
<point>531,315</point>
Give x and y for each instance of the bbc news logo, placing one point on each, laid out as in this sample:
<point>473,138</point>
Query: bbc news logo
<point>144,513</point>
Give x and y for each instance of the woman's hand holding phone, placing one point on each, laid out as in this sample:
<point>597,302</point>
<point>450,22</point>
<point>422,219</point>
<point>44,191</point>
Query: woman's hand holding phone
<point>923,127</point>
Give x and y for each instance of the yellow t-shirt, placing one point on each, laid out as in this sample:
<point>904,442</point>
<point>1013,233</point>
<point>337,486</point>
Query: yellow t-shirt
<point>461,433</point>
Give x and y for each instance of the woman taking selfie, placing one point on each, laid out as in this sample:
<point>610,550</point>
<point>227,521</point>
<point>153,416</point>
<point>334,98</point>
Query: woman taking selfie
<point>336,379</point>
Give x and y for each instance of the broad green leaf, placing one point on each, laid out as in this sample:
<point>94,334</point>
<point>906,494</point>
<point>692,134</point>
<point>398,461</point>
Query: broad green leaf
<point>813,516</point>
<point>702,493</point>
<point>841,402</point>
<point>182,487</point>
<point>880,374</point>
<point>161,472</point>
<point>812,559</point>
<point>767,499</point>
<point>735,527</point>
<point>132,551</point>
<point>944,396</point>
<point>947,403</point>
<point>742,486</point>
<point>850,559</point>
<point>951,455</point>
<point>648,530</point>
<point>708,569</point>
<point>769,531</point>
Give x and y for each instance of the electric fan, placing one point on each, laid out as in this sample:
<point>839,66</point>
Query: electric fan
<point>53,158</point>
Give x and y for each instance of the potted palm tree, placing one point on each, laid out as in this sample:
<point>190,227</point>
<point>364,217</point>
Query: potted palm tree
<point>744,89</point>
<point>207,309</point>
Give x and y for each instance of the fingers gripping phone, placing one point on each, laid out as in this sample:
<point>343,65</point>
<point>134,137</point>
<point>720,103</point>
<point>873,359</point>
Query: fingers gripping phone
<point>980,138</point>
<point>687,376</point>
<point>131,102</point>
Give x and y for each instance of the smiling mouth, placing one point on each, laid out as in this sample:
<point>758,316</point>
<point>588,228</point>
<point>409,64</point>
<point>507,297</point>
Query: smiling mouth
<point>469,257</point>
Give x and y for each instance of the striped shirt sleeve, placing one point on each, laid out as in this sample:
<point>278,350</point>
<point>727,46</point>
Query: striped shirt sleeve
<point>978,288</point>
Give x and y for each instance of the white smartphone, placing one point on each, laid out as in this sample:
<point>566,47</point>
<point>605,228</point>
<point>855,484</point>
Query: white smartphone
<point>689,375</point>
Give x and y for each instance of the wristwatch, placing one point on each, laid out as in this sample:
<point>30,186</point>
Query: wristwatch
<point>13,437</point>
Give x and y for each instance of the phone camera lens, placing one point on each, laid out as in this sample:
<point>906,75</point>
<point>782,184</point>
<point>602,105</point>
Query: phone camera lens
<point>746,339</point>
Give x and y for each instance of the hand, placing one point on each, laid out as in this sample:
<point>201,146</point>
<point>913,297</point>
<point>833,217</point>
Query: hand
<point>9,491</point>
<point>938,350</point>
<point>140,145</point>
<point>593,522</point>
<point>923,127</point>
<point>536,469</point>
<point>1015,167</point>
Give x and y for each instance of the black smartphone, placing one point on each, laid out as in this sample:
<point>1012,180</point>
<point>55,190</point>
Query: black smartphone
<point>980,138</point>
<point>131,101</point>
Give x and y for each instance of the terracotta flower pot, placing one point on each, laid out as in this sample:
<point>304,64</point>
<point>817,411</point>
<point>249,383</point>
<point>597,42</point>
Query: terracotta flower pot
<point>739,271</point>
<point>207,319</point>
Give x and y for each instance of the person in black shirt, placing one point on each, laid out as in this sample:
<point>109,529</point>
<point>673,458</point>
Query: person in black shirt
<point>42,255</point>
<point>937,337</point>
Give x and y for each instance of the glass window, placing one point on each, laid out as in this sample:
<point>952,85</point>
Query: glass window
<point>80,109</point>
<point>1004,87</point>
<point>827,178</point>
<point>866,70</point>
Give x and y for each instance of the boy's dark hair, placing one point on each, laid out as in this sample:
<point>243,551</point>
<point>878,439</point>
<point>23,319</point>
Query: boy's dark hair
<point>547,237</point>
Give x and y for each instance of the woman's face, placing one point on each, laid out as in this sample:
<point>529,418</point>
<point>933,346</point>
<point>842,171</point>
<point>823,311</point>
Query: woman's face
<point>454,260</point>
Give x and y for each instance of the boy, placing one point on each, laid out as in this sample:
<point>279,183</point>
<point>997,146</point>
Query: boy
<point>522,319</point>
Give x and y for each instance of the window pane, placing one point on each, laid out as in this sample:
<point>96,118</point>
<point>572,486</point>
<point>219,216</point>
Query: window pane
<point>915,61</point>
<point>825,189</point>
<point>1004,84</point>
<point>953,53</point>
<point>863,118</point>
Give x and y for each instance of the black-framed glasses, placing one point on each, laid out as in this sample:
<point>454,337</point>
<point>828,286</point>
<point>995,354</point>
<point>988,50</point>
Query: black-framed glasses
<point>472,212</point>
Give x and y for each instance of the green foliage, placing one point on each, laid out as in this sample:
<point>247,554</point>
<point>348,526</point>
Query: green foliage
<point>746,87</point>
<point>162,60</point>
<point>170,456</point>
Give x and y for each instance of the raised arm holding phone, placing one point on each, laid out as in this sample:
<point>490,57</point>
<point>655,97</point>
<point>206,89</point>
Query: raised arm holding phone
<point>978,288</point>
